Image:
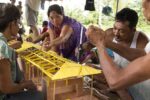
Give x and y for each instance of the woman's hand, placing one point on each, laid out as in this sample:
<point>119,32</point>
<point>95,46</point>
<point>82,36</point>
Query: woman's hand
<point>46,44</point>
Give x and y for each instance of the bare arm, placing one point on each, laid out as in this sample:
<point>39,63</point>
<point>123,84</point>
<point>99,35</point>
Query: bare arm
<point>117,78</point>
<point>124,95</point>
<point>127,52</point>
<point>6,83</point>
<point>56,41</point>
<point>48,40</point>
<point>64,36</point>
<point>41,37</point>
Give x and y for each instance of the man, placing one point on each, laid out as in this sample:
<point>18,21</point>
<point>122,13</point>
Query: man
<point>124,36</point>
<point>22,29</point>
<point>11,85</point>
<point>121,78</point>
<point>123,39</point>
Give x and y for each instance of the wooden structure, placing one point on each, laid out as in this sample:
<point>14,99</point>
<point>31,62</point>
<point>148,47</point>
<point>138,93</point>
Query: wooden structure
<point>62,84</point>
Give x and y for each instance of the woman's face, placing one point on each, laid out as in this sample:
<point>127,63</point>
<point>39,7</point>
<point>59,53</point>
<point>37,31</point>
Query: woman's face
<point>146,9</point>
<point>55,18</point>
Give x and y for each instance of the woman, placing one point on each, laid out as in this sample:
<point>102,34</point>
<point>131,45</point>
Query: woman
<point>11,88</point>
<point>65,33</point>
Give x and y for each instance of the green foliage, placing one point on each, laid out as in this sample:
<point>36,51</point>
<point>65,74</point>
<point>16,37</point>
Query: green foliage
<point>40,18</point>
<point>142,23</point>
<point>85,17</point>
<point>92,17</point>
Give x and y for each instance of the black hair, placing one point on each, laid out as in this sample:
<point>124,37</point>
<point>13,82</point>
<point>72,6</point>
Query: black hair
<point>45,23</point>
<point>88,45</point>
<point>56,8</point>
<point>129,15</point>
<point>8,13</point>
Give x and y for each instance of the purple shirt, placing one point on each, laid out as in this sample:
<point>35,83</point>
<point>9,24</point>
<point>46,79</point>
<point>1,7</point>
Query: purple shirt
<point>68,48</point>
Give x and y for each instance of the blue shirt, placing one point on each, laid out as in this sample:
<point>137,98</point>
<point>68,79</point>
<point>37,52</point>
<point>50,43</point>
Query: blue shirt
<point>8,52</point>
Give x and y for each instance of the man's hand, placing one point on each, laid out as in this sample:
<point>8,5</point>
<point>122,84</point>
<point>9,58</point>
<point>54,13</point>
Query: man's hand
<point>95,35</point>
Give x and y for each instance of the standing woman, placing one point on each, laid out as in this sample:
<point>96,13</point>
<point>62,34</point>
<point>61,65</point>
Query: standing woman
<point>65,33</point>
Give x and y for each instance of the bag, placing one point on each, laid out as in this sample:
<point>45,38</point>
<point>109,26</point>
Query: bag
<point>90,5</point>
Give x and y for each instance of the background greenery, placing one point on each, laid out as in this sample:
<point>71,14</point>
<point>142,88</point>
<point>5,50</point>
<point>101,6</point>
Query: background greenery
<point>97,18</point>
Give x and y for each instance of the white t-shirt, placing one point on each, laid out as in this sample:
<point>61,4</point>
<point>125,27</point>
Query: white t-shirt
<point>140,91</point>
<point>147,47</point>
<point>33,4</point>
<point>121,61</point>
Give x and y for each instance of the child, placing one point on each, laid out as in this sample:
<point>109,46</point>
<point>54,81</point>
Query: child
<point>90,53</point>
<point>45,26</point>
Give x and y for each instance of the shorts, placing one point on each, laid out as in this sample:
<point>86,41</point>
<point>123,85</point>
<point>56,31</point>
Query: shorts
<point>31,16</point>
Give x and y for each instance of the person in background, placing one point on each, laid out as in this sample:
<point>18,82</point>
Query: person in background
<point>21,29</point>
<point>44,26</point>
<point>19,6</point>
<point>31,14</point>
<point>90,54</point>
<point>13,2</point>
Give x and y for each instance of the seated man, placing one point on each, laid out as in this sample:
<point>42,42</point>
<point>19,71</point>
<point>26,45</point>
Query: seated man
<point>121,39</point>
<point>120,78</point>
<point>12,87</point>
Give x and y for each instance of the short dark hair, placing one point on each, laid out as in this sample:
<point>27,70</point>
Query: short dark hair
<point>45,23</point>
<point>129,15</point>
<point>56,8</point>
<point>8,13</point>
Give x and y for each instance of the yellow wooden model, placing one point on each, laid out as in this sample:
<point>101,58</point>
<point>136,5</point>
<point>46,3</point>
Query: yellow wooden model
<point>55,66</point>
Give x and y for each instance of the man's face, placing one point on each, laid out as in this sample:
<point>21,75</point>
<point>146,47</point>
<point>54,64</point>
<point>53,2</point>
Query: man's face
<point>146,9</point>
<point>122,31</point>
